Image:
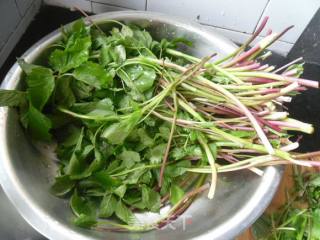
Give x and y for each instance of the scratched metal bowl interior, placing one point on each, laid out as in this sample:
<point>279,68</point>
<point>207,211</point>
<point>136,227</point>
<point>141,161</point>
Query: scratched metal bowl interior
<point>27,173</point>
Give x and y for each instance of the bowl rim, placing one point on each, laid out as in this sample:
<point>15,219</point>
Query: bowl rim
<point>51,228</point>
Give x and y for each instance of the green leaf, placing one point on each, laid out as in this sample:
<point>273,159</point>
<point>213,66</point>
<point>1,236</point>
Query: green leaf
<point>104,179</point>
<point>124,213</point>
<point>75,53</point>
<point>176,194</point>
<point>151,199</point>
<point>95,165</point>
<point>143,38</point>
<point>156,154</point>
<point>164,132</point>
<point>26,67</point>
<point>119,54</point>
<point>116,133</point>
<point>103,107</point>
<point>93,74</point>
<point>129,158</point>
<point>72,134</point>
<point>120,191</point>
<point>145,139</point>
<point>134,177</point>
<point>142,77</point>
<point>315,181</point>
<point>85,221</point>
<point>77,28</point>
<point>40,83</point>
<point>38,124</point>
<point>64,95</point>
<point>126,31</point>
<point>146,177</point>
<point>107,206</point>
<point>242,134</point>
<point>105,55</point>
<point>81,90</point>
<point>75,166</point>
<point>178,169</point>
<point>80,205</point>
<point>315,231</point>
<point>12,98</point>
<point>62,185</point>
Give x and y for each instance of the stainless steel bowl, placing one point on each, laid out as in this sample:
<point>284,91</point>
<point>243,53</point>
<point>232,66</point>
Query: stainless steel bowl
<point>26,174</point>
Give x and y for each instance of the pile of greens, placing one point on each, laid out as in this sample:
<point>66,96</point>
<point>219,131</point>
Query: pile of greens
<point>299,217</point>
<point>139,124</point>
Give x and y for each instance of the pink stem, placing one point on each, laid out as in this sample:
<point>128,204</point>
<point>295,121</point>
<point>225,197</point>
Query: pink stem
<point>245,63</point>
<point>292,72</point>
<point>270,90</point>
<point>283,124</point>
<point>235,127</point>
<point>269,32</point>
<point>269,124</point>
<point>288,65</point>
<point>304,82</point>
<point>260,80</point>
<point>247,67</point>
<point>243,56</point>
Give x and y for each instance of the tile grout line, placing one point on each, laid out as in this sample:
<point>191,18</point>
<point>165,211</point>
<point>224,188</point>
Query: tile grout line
<point>264,9</point>
<point>112,5</point>
<point>15,2</point>
<point>224,28</point>
<point>235,31</point>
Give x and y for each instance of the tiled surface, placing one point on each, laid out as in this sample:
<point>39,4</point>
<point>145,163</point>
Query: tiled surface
<point>18,30</point>
<point>100,8</point>
<point>280,47</point>
<point>234,19</point>
<point>284,13</point>
<point>23,5</point>
<point>9,19</point>
<point>133,4</point>
<point>82,4</point>
<point>235,15</point>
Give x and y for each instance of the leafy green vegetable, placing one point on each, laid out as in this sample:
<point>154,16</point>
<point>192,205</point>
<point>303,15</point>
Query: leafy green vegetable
<point>12,98</point>
<point>290,221</point>
<point>116,133</point>
<point>63,93</point>
<point>142,77</point>
<point>76,50</point>
<point>103,107</point>
<point>40,86</point>
<point>80,205</point>
<point>39,124</point>
<point>129,158</point>
<point>151,199</point>
<point>93,74</point>
<point>85,221</point>
<point>108,206</point>
<point>176,194</point>
<point>127,113</point>
<point>156,153</point>
<point>124,213</point>
<point>120,191</point>
<point>62,185</point>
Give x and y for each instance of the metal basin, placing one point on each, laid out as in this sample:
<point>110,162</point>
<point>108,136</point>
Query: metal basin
<point>26,173</point>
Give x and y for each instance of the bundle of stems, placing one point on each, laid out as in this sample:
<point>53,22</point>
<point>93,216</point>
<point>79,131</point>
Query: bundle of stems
<point>234,105</point>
